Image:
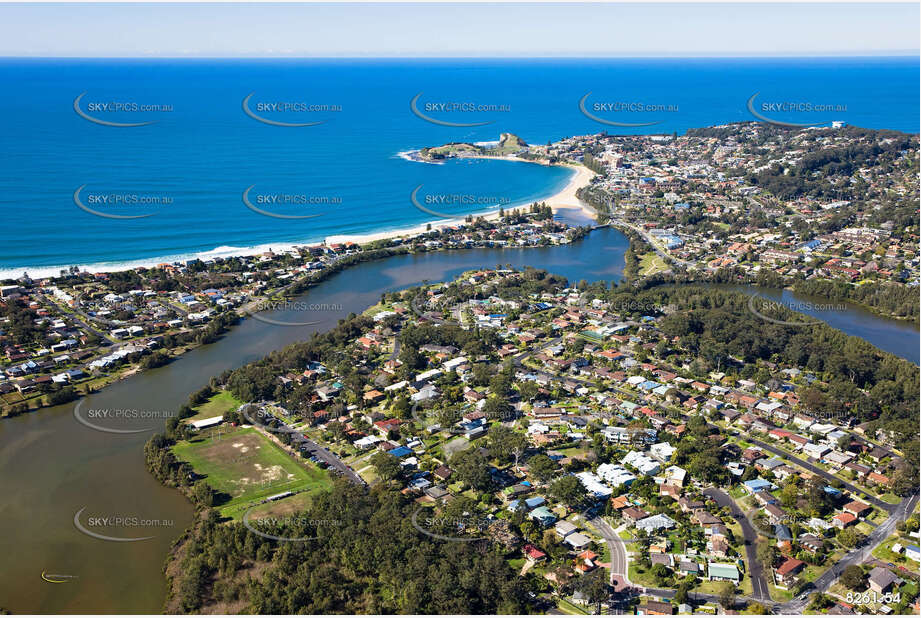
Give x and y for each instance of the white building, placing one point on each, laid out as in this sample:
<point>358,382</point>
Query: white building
<point>662,451</point>
<point>641,462</point>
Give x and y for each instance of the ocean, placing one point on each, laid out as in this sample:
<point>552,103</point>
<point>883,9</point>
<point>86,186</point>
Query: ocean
<point>198,149</point>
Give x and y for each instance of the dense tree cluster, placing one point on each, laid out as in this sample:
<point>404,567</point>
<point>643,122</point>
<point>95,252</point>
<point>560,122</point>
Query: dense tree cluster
<point>887,298</point>
<point>259,380</point>
<point>367,558</point>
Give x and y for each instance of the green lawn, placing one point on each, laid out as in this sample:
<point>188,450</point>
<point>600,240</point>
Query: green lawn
<point>884,552</point>
<point>244,466</point>
<point>738,492</point>
<point>283,508</point>
<point>652,263</point>
<point>864,528</point>
<point>776,593</point>
<point>568,608</point>
<point>708,587</point>
<point>219,404</point>
<point>630,546</point>
<point>644,577</point>
<point>878,516</point>
<point>516,563</point>
<point>812,572</point>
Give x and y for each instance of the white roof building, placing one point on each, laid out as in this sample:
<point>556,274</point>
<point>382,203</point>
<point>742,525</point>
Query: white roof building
<point>662,450</point>
<point>207,422</point>
<point>641,462</point>
<point>656,522</point>
<point>675,476</point>
<point>396,386</point>
<point>594,485</point>
<point>615,475</point>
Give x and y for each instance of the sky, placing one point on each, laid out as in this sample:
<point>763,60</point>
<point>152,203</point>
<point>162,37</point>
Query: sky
<point>458,30</point>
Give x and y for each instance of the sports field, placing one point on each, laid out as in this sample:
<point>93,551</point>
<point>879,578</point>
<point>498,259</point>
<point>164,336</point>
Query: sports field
<point>244,467</point>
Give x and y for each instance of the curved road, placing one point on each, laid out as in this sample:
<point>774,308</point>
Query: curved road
<point>619,562</point>
<point>755,569</point>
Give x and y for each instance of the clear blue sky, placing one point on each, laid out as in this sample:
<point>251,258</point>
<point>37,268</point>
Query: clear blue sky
<point>335,30</point>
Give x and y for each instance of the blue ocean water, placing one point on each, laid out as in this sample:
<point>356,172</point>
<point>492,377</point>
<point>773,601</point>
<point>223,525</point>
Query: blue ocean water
<point>203,152</point>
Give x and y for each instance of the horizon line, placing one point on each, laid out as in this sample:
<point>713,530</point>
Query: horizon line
<point>574,56</point>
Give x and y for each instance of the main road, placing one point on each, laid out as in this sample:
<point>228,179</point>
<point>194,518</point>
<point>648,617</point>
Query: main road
<point>665,255</point>
<point>857,555</point>
<point>889,508</point>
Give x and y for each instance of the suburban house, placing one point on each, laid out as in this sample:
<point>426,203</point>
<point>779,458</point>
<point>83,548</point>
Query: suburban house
<point>843,520</point>
<point>723,572</point>
<point>881,580</point>
<point>655,608</point>
<point>785,574</point>
<point>857,508</point>
<point>533,554</point>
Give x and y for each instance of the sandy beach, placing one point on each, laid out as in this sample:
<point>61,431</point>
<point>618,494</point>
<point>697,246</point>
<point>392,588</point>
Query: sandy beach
<point>563,202</point>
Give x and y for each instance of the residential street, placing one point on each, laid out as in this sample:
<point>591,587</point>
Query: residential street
<point>817,470</point>
<point>855,556</point>
<point>619,562</point>
<point>755,570</point>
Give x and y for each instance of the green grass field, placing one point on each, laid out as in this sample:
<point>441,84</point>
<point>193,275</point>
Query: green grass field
<point>568,608</point>
<point>244,467</point>
<point>652,263</point>
<point>283,508</point>
<point>884,552</point>
<point>216,406</point>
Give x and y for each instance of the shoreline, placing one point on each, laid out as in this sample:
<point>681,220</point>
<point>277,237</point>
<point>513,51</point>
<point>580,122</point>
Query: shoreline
<point>563,201</point>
